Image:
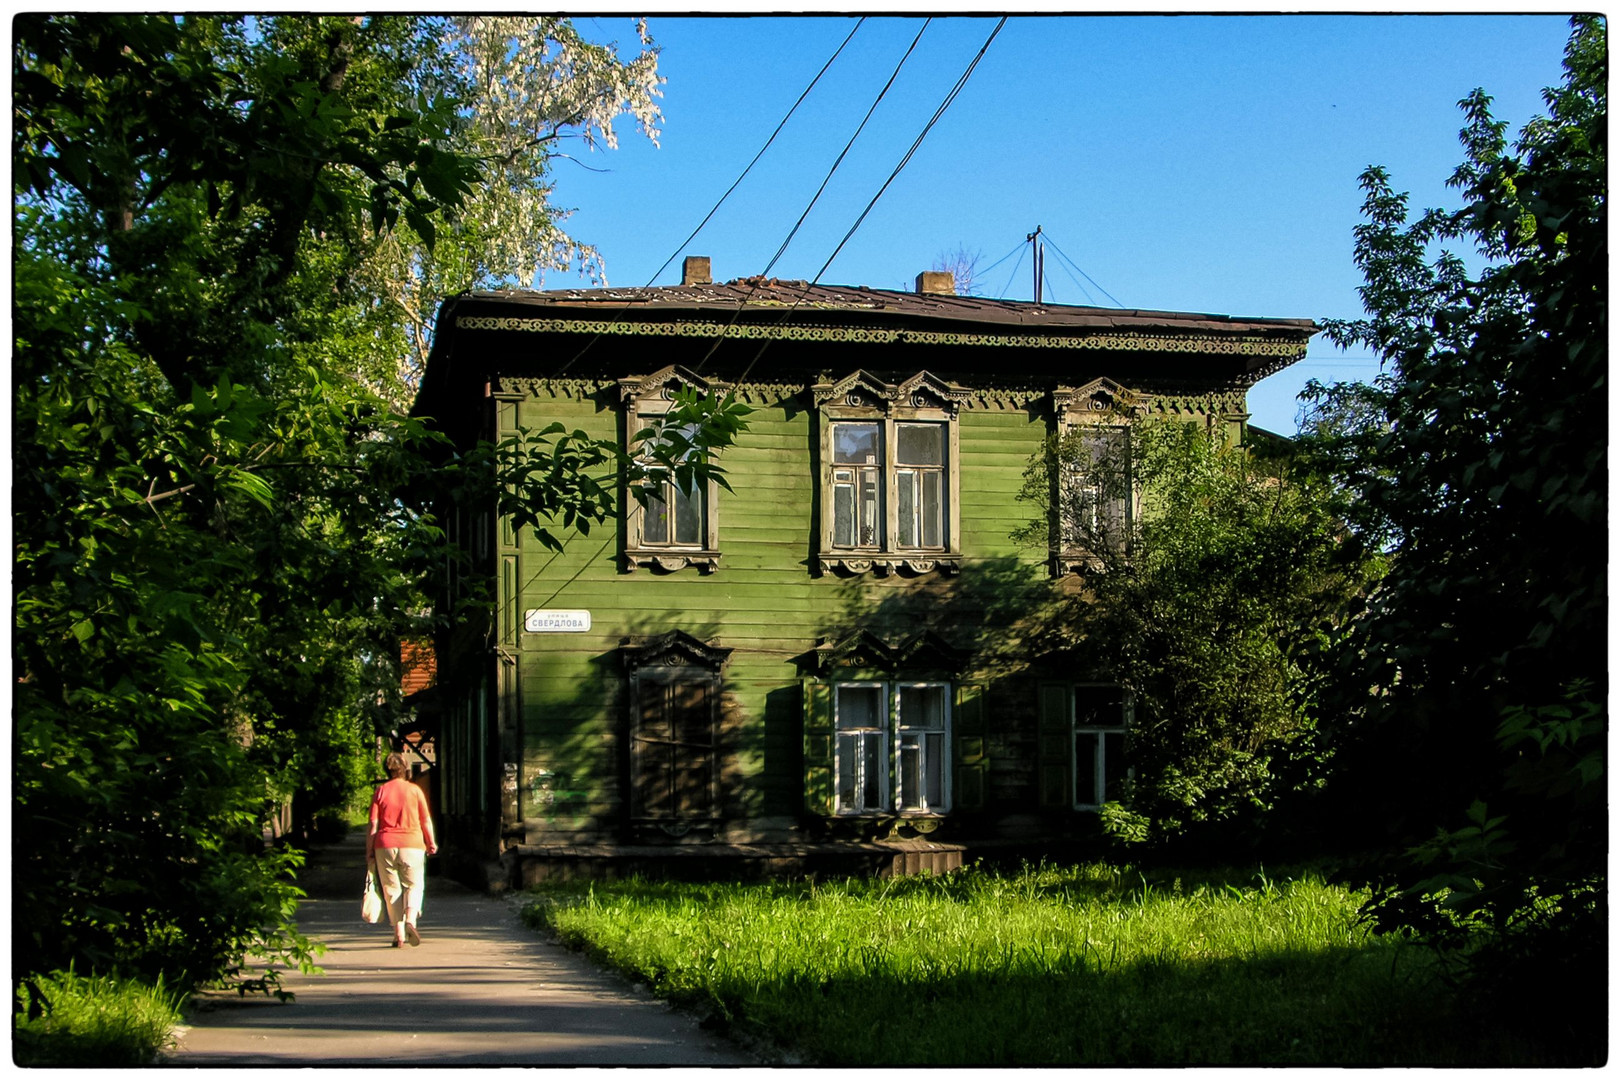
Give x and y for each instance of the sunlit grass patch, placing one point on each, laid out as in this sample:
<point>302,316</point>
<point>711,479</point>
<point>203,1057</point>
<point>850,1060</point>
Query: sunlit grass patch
<point>93,1020</point>
<point>1049,966</point>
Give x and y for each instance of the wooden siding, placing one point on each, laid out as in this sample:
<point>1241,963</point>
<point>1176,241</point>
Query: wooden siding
<point>766,605</point>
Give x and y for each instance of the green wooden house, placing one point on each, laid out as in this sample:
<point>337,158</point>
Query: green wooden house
<point>807,671</point>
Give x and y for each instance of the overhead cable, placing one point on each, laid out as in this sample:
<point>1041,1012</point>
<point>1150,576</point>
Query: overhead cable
<point>1083,274</point>
<point>734,184</point>
<point>765,273</point>
<point>904,161</point>
<point>939,112</point>
<point>845,151</point>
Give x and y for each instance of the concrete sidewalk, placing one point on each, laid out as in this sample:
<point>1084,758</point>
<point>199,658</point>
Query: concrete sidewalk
<point>482,989</point>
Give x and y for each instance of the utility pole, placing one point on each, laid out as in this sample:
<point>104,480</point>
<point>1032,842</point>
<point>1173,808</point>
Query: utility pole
<point>1039,260</point>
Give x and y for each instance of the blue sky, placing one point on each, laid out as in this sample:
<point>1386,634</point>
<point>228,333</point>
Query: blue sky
<point>1189,163</point>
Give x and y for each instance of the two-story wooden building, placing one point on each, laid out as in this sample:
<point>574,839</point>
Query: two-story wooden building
<point>821,668</point>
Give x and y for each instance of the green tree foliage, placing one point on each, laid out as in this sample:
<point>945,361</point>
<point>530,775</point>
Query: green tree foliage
<point>1476,675</point>
<point>221,532</point>
<point>1212,578</point>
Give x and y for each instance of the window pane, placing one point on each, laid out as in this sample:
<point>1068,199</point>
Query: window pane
<point>844,508</point>
<point>655,764</point>
<point>691,708</point>
<point>1087,745</point>
<point>693,795</point>
<point>1099,706</point>
<point>910,771</point>
<point>655,521</point>
<point>688,516</point>
<point>905,490</point>
<point>860,771</point>
<point>869,507</point>
<point>859,707</point>
<point>857,444</point>
<point>919,444</point>
<point>934,778</point>
<point>922,707</point>
<point>1113,764</point>
<point>933,510</point>
<point>654,711</point>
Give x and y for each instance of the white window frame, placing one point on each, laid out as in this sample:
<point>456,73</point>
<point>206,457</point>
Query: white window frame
<point>1101,731</point>
<point>891,734</point>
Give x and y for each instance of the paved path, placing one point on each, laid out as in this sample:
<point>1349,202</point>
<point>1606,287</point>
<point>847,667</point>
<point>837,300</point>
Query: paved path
<point>482,989</point>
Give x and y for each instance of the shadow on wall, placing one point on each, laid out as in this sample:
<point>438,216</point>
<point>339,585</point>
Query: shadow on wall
<point>576,761</point>
<point>1002,611</point>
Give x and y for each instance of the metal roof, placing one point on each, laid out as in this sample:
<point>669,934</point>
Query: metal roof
<point>758,298</point>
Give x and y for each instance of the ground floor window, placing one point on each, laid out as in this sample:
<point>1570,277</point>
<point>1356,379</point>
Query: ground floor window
<point>1082,743</point>
<point>672,758</point>
<point>892,747</point>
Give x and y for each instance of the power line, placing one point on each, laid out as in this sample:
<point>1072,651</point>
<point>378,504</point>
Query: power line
<point>1016,249</point>
<point>904,161</point>
<point>845,151</point>
<point>1083,274</point>
<point>767,145</point>
<point>734,184</point>
<point>1005,288</point>
<point>737,311</point>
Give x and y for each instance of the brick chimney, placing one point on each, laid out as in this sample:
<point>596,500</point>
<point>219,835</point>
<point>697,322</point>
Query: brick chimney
<point>695,270</point>
<point>938,282</point>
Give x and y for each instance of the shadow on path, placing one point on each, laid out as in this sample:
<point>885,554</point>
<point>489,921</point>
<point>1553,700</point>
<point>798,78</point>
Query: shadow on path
<point>482,989</point>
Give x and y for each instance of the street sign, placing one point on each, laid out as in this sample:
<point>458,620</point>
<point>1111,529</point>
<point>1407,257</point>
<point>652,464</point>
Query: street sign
<point>556,621</point>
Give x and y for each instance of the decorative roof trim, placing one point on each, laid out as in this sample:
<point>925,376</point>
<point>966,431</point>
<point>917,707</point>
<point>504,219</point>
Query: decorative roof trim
<point>1115,340</point>
<point>673,648</point>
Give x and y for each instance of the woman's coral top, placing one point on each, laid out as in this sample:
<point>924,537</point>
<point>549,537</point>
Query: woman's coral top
<point>397,813</point>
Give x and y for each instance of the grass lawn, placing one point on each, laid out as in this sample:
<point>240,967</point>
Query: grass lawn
<point>1050,966</point>
<point>93,1021</point>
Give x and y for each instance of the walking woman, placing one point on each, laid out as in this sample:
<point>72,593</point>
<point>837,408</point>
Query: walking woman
<point>401,839</point>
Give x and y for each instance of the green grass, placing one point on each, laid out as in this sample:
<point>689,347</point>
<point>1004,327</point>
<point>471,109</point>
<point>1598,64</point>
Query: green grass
<point>1072,966</point>
<point>94,1020</point>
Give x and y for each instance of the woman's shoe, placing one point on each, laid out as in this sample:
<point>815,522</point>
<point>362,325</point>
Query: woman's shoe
<point>410,932</point>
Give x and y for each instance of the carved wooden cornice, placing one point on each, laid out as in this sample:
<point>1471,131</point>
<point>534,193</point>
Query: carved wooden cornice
<point>1284,351</point>
<point>663,383</point>
<point>922,651</point>
<point>1096,399</point>
<point>545,386</point>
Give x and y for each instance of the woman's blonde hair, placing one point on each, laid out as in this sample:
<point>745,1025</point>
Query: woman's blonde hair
<point>394,765</point>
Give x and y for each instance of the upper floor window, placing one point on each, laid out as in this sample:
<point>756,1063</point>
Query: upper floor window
<point>675,527</point>
<point>1094,490</point>
<point>1094,505</point>
<point>890,477</point>
<point>675,517</point>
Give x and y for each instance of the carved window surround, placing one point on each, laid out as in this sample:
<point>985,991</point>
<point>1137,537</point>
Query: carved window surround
<point>687,531</point>
<point>1105,409</point>
<point>889,478</point>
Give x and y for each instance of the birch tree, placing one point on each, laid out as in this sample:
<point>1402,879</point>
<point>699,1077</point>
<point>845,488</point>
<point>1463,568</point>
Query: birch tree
<point>534,93</point>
